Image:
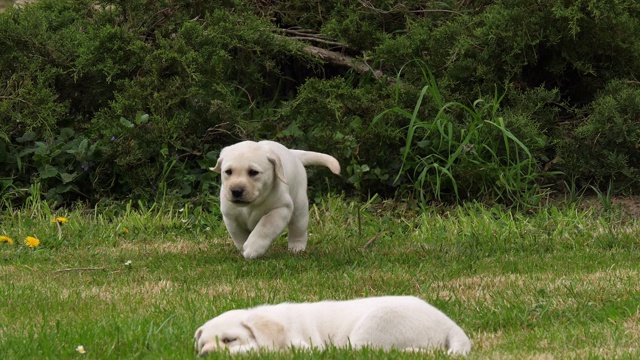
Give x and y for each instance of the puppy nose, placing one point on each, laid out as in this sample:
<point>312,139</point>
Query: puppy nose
<point>237,193</point>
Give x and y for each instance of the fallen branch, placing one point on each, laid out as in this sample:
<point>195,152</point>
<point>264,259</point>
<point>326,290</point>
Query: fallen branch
<point>400,8</point>
<point>332,57</point>
<point>312,38</point>
<point>343,60</point>
<point>311,35</point>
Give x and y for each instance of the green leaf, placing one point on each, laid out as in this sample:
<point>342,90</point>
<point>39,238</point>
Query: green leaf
<point>84,144</point>
<point>66,177</point>
<point>48,172</point>
<point>28,136</point>
<point>142,119</point>
<point>292,130</point>
<point>126,123</point>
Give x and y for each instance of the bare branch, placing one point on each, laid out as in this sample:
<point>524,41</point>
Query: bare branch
<point>401,7</point>
<point>310,35</point>
<point>309,38</point>
<point>343,60</point>
<point>330,56</point>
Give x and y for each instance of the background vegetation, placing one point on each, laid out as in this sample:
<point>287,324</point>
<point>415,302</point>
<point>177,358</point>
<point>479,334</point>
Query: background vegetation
<point>502,101</point>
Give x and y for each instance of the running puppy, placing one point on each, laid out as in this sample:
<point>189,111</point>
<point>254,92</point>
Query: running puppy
<point>399,322</point>
<point>264,191</point>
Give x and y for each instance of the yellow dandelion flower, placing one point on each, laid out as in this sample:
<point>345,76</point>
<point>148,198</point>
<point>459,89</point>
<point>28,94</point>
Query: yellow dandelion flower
<point>6,239</point>
<point>59,220</point>
<point>32,242</point>
<point>125,231</point>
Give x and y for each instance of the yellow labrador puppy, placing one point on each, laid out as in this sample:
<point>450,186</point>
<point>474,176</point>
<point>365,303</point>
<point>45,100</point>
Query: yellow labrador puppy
<point>264,191</point>
<point>399,322</point>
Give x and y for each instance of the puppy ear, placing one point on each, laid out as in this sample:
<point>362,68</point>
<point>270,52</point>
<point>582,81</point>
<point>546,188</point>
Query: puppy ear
<point>196,337</point>
<point>277,165</point>
<point>268,332</point>
<point>218,167</point>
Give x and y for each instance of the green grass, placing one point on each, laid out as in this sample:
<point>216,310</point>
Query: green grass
<point>554,284</point>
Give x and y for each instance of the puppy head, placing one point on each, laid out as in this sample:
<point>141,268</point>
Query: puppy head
<point>248,171</point>
<point>239,331</point>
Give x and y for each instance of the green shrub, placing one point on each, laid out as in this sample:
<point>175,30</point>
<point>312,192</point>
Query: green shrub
<point>158,88</point>
<point>334,116</point>
<point>156,91</point>
<point>554,57</point>
<point>604,148</point>
<point>572,46</point>
<point>61,165</point>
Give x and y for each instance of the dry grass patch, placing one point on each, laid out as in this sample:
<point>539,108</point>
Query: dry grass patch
<point>178,246</point>
<point>632,325</point>
<point>481,290</point>
<point>8,270</point>
<point>219,289</point>
<point>148,291</point>
<point>486,341</point>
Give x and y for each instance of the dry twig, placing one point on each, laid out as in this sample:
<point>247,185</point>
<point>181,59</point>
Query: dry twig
<point>373,238</point>
<point>80,269</point>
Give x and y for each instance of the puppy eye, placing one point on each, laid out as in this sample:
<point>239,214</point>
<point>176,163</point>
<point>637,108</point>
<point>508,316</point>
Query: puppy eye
<point>253,173</point>
<point>227,340</point>
<point>228,172</point>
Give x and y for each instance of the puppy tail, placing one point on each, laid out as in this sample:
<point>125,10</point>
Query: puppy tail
<point>320,159</point>
<point>457,342</point>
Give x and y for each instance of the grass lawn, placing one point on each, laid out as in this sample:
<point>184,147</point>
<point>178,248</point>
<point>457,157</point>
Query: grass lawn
<point>137,283</point>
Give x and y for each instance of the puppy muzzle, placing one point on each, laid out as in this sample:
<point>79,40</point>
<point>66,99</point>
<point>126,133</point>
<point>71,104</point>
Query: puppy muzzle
<point>238,195</point>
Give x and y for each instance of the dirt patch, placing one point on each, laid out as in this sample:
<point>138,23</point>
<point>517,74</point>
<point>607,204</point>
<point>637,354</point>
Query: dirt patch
<point>628,206</point>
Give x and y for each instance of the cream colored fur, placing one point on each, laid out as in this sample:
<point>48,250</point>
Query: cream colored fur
<point>400,322</point>
<point>264,191</point>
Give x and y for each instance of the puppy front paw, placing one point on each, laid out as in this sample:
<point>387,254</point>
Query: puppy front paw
<point>252,251</point>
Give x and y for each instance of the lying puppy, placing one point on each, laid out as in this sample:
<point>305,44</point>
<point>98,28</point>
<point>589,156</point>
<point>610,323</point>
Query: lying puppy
<point>264,190</point>
<point>400,322</point>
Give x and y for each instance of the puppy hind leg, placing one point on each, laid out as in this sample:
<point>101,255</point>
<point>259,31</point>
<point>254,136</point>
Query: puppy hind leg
<point>386,327</point>
<point>297,238</point>
<point>457,341</point>
<point>298,230</point>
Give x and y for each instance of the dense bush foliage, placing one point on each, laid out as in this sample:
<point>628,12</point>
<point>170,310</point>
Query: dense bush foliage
<point>605,146</point>
<point>491,100</point>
